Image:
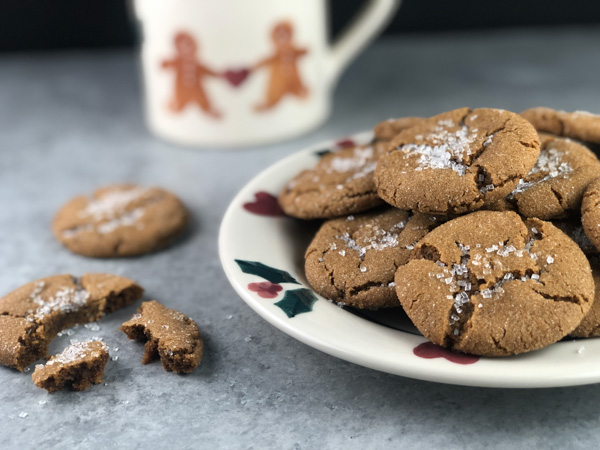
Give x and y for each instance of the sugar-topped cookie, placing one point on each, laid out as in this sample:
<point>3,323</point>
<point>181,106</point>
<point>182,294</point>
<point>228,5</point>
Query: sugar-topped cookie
<point>352,259</point>
<point>490,283</point>
<point>341,183</point>
<point>457,161</point>
<point>77,367</point>
<point>32,315</point>
<point>581,125</point>
<point>120,220</point>
<point>555,185</point>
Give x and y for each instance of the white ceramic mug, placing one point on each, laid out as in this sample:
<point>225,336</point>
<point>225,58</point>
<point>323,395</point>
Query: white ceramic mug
<point>244,72</point>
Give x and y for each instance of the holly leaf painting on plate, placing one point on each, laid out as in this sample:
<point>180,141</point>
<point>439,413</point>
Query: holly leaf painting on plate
<point>297,301</point>
<point>268,273</point>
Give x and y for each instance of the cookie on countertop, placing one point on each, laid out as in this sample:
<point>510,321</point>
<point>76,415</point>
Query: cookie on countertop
<point>79,366</point>
<point>490,283</point>
<point>120,220</point>
<point>21,342</point>
<point>32,315</point>
<point>590,212</point>
<point>457,161</point>
<point>555,185</point>
<point>169,335</point>
<point>352,260</point>
<point>580,125</point>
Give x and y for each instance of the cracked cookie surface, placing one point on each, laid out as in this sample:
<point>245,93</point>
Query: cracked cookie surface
<point>457,161</point>
<point>352,260</point>
<point>169,335</point>
<point>580,125</point>
<point>120,220</point>
<point>490,283</point>
<point>36,312</point>
<point>555,185</point>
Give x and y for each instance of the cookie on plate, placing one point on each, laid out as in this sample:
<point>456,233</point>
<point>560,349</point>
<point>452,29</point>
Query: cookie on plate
<point>490,283</point>
<point>342,182</point>
<point>590,212</point>
<point>78,366</point>
<point>387,129</point>
<point>120,220</point>
<point>457,161</point>
<point>352,260</point>
<point>590,325</point>
<point>580,125</point>
<point>554,187</point>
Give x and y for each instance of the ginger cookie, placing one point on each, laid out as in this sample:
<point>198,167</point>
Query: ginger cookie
<point>580,125</point>
<point>490,283</point>
<point>590,212</point>
<point>79,366</point>
<point>169,335</point>
<point>352,260</point>
<point>555,185</point>
<point>387,129</point>
<point>341,183</point>
<point>32,315</point>
<point>120,220</point>
<point>457,161</point>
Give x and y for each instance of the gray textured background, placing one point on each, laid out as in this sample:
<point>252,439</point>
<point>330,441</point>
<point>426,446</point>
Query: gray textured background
<point>71,122</point>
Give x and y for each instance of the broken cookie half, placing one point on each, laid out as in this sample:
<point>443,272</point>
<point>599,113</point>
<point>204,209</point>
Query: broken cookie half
<point>169,335</point>
<point>32,315</point>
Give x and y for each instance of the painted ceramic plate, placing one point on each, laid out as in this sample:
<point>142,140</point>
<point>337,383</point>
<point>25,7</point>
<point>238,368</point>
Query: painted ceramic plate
<point>262,252</point>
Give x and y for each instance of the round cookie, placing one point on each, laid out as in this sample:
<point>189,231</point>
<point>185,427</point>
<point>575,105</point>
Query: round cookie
<point>342,182</point>
<point>590,212</point>
<point>580,125</point>
<point>352,260</point>
<point>457,161</point>
<point>490,283</point>
<point>555,185</point>
<point>387,129</point>
<point>120,220</point>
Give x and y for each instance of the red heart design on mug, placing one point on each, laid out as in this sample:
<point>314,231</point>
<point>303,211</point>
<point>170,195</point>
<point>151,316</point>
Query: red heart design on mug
<point>264,205</point>
<point>428,350</point>
<point>236,77</point>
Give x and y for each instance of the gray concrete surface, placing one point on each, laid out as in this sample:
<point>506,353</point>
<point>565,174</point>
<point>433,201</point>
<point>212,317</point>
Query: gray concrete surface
<point>72,121</point>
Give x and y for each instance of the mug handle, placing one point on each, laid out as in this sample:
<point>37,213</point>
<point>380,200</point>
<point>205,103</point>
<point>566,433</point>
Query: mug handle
<point>376,14</point>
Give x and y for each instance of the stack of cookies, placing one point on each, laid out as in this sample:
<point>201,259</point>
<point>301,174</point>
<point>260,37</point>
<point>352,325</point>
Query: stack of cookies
<point>481,223</point>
